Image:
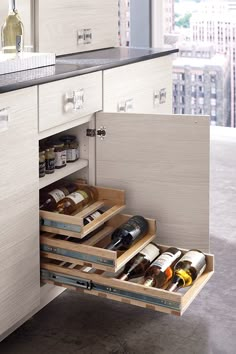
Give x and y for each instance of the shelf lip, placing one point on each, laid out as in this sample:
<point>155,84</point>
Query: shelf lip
<point>63,172</point>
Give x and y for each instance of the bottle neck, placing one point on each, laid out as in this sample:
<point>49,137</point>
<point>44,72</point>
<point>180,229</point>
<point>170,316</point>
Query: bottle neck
<point>12,6</point>
<point>114,245</point>
<point>149,282</point>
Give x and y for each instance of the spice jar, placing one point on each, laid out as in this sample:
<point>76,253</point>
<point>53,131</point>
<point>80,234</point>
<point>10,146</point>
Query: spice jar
<point>41,164</point>
<point>72,147</point>
<point>50,160</point>
<point>60,155</point>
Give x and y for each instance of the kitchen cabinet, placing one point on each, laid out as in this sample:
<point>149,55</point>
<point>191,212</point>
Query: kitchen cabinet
<point>160,160</point>
<point>19,252</point>
<point>70,26</point>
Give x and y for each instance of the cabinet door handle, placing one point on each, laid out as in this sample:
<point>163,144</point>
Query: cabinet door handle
<point>129,105</point>
<point>125,105</point>
<point>121,106</point>
<point>74,101</point>
<point>4,119</point>
<point>159,97</point>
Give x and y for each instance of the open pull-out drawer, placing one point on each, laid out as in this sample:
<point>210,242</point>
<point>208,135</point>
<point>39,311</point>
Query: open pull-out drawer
<point>100,284</point>
<point>113,200</point>
<point>91,252</point>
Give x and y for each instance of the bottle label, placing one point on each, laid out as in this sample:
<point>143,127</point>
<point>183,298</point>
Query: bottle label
<point>166,259</point>
<point>197,260</point>
<point>50,164</point>
<point>78,196</point>
<point>150,252</point>
<point>57,194</point>
<point>60,158</point>
<point>93,216</point>
<point>71,155</point>
<point>41,169</point>
<point>19,44</point>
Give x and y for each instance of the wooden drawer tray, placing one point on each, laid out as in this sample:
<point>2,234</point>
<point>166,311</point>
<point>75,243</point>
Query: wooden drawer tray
<point>90,252</point>
<point>71,276</point>
<point>72,225</point>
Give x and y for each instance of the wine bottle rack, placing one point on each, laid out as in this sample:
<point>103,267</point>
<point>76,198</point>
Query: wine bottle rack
<point>99,284</point>
<point>91,252</point>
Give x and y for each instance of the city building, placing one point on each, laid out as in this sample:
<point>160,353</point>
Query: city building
<point>201,83</point>
<point>124,22</point>
<point>216,23</point>
<point>169,18</point>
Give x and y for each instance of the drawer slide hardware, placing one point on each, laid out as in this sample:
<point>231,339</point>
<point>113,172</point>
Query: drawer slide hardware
<point>59,278</point>
<point>77,255</point>
<point>100,132</point>
<point>61,225</point>
<point>90,285</point>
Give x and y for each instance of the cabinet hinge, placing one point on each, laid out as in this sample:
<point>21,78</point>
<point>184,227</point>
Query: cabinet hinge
<point>100,132</point>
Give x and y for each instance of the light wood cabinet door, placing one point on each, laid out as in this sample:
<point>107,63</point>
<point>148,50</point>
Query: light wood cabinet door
<point>162,162</point>
<point>70,26</point>
<point>144,87</point>
<point>19,220</point>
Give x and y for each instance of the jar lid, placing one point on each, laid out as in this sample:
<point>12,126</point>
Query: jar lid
<point>61,145</point>
<point>67,138</point>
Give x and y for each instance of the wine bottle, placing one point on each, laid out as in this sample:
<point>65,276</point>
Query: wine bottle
<point>12,31</point>
<point>160,271</point>
<point>49,200</point>
<point>76,201</point>
<point>92,217</point>
<point>129,232</point>
<point>188,269</point>
<point>137,266</point>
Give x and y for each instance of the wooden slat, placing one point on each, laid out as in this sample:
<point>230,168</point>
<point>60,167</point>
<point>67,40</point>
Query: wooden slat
<point>90,209</point>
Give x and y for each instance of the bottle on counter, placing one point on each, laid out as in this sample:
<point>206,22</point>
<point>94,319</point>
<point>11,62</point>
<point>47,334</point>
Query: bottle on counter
<point>129,232</point>
<point>12,31</point>
<point>188,269</point>
<point>137,266</point>
<point>161,270</point>
<point>49,200</point>
<point>76,201</point>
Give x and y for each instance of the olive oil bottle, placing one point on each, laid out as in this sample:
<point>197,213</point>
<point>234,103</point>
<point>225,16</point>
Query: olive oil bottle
<point>12,34</point>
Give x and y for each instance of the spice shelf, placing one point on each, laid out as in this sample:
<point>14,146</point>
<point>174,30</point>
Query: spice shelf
<point>63,172</point>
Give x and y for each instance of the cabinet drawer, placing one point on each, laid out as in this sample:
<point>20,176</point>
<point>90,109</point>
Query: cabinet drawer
<point>91,252</point>
<point>113,200</point>
<point>63,101</point>
<point>144,87</point>
<point>70,26</point>
<point>100,284</point>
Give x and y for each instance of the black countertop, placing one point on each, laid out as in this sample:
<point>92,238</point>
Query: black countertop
<point>79,64</point>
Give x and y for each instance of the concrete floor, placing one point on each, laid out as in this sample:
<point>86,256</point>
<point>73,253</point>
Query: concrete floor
<point>74,323</point>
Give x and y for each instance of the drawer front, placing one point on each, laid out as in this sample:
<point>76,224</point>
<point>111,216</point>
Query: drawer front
<point>91,252</point>
<point>72,276</point>
<point>63,101</point>
<point>71,26</point>
<point>144,87</point>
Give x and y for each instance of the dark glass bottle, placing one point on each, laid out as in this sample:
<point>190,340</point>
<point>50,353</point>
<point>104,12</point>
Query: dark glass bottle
<point>161,270</point>
<point>49,200</point>
<point>129,232</point>
<point>137,266</point>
